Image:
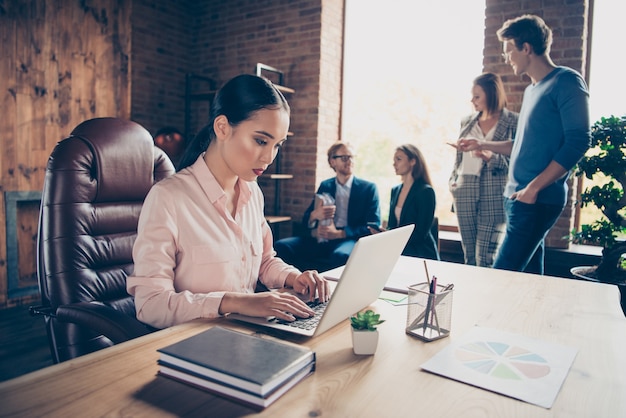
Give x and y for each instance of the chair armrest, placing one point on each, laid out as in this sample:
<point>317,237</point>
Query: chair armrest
<point>113,324</point>
<point>40,310</point>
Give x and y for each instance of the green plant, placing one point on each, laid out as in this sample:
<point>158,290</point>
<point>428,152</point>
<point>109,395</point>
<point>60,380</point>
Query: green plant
<point>366,320</point>
<point>607,156</point>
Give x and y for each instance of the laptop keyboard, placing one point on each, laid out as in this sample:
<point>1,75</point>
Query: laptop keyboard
<point>307,323</point>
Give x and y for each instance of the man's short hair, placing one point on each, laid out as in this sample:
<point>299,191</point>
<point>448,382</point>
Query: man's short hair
<point>334,148</point>
<point>529,29</point>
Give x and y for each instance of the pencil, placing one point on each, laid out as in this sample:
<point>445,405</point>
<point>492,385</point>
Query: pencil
<point>429,302</point>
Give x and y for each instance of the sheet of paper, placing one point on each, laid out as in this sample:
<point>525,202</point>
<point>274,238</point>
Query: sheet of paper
<point>394,298</point>
<point>523,368</point>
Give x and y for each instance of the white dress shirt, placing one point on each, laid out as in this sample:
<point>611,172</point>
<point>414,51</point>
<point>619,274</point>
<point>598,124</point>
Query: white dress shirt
<point>342,198</point>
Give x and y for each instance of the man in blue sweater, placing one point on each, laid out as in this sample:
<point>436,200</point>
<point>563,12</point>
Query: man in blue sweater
<point>332,230</point>
<point>553,133</point>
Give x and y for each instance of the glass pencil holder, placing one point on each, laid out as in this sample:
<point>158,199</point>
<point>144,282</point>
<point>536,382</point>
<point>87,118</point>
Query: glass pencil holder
<point>429,314</point>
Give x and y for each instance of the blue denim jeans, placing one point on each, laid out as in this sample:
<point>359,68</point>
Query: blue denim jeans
<point>526,228</point>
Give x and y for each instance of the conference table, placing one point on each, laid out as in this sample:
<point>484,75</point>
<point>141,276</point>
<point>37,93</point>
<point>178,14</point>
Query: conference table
<point>122,380</point>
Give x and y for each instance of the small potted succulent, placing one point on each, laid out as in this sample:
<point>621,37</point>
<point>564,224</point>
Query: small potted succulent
<point>364,332</point>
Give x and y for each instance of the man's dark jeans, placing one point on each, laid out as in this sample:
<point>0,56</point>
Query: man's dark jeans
<point>526,228</point>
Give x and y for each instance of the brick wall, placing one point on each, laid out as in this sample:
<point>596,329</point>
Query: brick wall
<point>162,36</point>
<point>326,116</point>
<point>220,39</point>
<point>302,38</point>
<point>284,37</point>
<point>568,20</point>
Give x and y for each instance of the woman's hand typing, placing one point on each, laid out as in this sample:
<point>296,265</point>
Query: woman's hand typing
<point>311,284</point>
<point>280,305</point>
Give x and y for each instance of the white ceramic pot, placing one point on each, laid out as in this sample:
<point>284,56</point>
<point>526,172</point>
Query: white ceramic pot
<point>364,342</point>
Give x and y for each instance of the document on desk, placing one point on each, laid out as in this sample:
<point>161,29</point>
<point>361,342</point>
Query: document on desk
<point>514,365</point>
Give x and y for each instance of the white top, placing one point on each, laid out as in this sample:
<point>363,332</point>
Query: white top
<point>471,165</point>
<point>342,197</point>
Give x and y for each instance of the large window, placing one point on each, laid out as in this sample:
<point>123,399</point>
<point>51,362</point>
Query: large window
<point>607,85</point>
<point>407,79</point>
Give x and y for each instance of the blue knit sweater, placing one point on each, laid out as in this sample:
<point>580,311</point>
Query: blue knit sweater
<point>553,125</point>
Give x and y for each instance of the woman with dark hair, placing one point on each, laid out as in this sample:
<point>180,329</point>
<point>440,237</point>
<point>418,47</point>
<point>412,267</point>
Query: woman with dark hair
<point>478,177</point>
<point>413,202</point>
<point>202,239</point>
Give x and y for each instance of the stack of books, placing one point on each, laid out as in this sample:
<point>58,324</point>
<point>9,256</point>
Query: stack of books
<point>243,367</point>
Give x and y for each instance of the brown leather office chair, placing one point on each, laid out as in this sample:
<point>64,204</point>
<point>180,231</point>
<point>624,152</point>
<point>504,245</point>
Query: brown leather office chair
<point>95,184</point>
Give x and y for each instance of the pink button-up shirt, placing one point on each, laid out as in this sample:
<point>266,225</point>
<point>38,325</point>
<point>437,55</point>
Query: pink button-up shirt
<point>190,250</point>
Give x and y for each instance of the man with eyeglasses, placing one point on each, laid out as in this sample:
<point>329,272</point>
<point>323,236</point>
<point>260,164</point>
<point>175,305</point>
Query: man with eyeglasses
<point>553,133</point>
<point>333,229</point>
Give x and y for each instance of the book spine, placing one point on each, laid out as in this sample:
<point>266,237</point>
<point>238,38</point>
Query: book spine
<point>233,381</point>
<point>228,392</point>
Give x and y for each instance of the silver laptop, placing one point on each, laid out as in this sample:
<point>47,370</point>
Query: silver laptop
<point>369,266</point>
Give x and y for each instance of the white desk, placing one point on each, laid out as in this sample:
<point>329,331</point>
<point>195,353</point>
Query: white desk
<point>122,380</point>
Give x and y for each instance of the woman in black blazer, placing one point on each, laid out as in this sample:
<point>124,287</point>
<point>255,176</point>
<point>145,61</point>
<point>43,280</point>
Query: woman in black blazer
<point>413,202</point>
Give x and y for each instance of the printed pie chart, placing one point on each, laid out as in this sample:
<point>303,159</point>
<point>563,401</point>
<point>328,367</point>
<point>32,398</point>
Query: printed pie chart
<point>502,360</point>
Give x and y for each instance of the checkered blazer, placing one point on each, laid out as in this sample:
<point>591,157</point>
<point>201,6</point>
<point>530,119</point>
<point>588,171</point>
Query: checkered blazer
<point>498,165</point>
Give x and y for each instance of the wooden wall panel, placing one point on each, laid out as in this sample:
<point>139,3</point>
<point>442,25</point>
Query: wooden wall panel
<point>27,215</point>
<point>62,63</point>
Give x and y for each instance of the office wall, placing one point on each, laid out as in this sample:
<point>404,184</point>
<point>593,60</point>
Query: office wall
<point>288,36</point>
<point>220,39</point>
<point>304,40</point>
<point>67,64</point>
<point>162,39</point>
<point>62,63</point>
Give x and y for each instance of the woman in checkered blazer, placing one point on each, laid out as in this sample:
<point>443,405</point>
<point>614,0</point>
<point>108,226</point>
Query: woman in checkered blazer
<point>478,178</point>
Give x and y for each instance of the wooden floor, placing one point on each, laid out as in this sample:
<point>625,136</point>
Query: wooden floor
<point>23,343</point>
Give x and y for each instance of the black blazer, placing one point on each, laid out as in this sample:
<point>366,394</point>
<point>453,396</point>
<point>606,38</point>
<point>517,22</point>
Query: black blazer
<point>363,206</point>
<point>418,209</point>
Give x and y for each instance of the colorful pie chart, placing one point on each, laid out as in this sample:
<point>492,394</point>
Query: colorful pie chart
<point>502,360</point>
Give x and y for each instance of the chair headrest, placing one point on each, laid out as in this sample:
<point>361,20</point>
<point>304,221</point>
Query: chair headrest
<point>123,157</point>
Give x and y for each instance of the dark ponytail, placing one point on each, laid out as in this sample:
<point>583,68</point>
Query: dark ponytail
<point>238,100</point>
